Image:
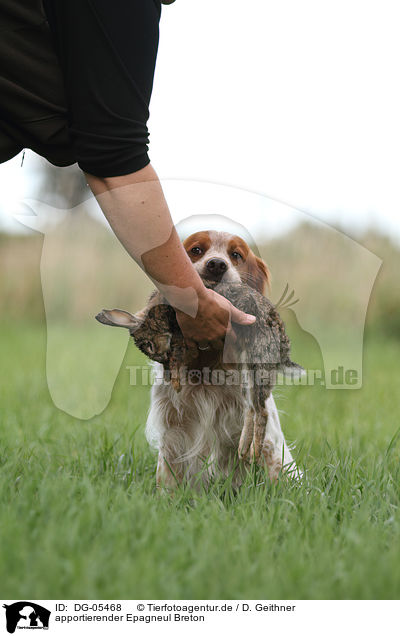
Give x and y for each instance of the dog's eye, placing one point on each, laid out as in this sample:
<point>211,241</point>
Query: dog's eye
<point>236,256</point>
<point>196,251</point>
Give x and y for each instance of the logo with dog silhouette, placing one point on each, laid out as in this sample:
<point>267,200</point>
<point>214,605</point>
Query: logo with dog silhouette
<point>26,615</point>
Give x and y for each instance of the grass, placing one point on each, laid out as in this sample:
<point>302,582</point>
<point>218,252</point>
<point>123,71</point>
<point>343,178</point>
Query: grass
<point>80,518</point>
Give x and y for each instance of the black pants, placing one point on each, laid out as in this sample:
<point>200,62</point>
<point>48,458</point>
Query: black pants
<point>79,90</point>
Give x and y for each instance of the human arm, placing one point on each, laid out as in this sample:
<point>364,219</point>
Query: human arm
<point>136,209</point>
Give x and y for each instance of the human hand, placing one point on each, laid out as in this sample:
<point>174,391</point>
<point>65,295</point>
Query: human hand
<point>212,323</point>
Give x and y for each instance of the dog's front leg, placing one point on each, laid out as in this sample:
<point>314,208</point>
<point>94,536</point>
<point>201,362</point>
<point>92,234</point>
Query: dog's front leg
<point>166,477</point>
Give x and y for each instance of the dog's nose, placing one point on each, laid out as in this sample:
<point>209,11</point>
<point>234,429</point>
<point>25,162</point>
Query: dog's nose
<point>216,267</point>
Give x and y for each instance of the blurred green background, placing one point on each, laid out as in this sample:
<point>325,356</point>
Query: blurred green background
<point>80,517</point>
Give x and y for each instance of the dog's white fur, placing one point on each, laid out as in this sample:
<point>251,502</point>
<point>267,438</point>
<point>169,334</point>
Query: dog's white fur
<point>197,430</point>
<point>197,433</point>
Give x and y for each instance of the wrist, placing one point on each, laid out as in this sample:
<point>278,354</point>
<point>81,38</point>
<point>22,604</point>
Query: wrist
<point>183,299</point>
<point>203,293</point>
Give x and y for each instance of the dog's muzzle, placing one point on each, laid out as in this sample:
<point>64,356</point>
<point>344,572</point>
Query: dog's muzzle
<point>216,268</point>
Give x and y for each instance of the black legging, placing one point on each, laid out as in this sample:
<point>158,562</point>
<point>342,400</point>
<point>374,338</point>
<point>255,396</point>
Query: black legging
<point>106,51</point>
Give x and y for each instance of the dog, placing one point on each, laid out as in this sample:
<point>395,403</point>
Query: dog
<point>197,431</point>
<point>205,429</point>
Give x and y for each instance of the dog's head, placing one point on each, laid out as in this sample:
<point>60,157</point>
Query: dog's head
<point>220,256</point>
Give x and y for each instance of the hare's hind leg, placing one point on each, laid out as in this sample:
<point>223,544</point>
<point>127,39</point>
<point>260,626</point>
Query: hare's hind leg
<point>255,422</point>
<point>259,395</point>
<point>260,425</point>
<point>256,443</point>
<point>265,448</point>
<point>246,437</point>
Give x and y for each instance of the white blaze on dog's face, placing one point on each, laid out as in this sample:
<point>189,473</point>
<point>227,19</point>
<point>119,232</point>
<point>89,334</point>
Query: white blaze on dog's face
<point>221,256</point>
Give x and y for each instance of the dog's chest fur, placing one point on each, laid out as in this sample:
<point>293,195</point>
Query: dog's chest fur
<point>200,426</point>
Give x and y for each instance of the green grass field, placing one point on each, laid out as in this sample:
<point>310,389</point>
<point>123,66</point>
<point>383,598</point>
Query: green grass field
<point>80,518</point>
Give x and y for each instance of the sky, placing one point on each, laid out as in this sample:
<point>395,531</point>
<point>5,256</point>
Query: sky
<point>296,102</point>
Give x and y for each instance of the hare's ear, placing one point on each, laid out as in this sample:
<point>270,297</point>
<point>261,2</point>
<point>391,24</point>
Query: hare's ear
<point>120,318</point>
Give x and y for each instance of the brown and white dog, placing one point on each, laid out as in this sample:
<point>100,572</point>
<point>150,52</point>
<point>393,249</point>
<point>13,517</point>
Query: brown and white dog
<point>197,430</point>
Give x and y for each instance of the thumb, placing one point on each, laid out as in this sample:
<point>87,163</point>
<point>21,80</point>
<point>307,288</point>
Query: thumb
<point>241,318</point>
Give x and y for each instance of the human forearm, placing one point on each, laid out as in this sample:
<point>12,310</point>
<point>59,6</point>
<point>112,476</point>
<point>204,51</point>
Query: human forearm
<point>137,211</point>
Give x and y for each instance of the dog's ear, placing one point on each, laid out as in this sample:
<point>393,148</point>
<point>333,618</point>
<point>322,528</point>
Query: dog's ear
<point>120,318</point>
<point>260,276</point>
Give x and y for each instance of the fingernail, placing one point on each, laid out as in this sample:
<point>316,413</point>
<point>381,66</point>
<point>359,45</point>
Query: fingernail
<point>250,318</point>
